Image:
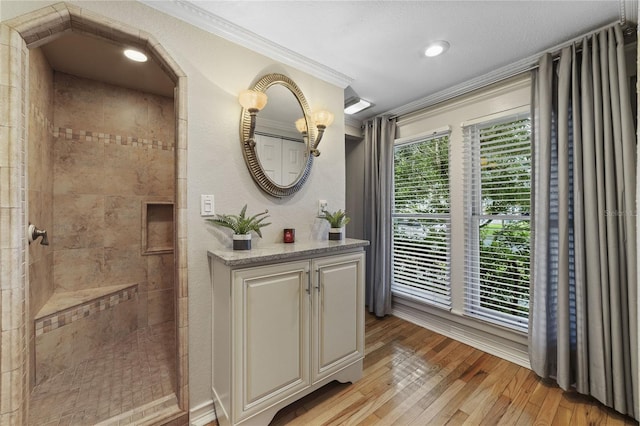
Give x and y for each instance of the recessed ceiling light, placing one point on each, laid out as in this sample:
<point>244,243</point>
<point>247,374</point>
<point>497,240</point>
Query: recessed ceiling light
<point>135,55</point>
<point>436,48</point>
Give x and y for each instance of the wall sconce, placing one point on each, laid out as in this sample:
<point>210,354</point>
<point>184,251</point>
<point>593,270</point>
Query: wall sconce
<point>253,101</point>
<point>301,126</point>
<point>323,119</point>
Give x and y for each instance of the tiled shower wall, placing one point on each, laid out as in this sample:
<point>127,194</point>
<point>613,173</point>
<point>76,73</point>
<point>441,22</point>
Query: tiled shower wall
<point>40,185</point>
<point>113,150</point>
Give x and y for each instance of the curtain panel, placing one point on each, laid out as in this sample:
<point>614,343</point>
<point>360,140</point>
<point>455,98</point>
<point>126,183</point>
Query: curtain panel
<point>583,322</point>
<point>378,198</point>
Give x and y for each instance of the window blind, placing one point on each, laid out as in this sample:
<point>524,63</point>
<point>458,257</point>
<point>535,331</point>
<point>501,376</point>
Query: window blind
<point>498,227</point>
<point>421,220</point>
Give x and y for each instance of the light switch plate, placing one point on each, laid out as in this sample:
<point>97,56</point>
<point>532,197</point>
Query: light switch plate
<point>207,205</point>
<point>322,206</point>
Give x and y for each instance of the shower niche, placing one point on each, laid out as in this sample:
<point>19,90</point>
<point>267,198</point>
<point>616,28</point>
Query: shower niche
<point>157,227</point>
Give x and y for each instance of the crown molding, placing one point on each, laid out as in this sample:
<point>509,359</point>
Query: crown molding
<point>498,75</point>
<point>353,122</point>
<point>198,17</point>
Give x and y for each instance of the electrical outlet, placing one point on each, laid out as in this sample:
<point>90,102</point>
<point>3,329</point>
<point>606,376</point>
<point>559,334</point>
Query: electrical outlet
<point>206,205</point>
<point>322,206</point>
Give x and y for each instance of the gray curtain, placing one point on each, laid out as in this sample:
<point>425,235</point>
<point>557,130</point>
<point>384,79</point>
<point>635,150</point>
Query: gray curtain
<point>584,318</point>
<point>378,185</point>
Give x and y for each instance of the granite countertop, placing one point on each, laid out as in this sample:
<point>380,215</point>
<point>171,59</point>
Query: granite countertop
<point>283,252</point>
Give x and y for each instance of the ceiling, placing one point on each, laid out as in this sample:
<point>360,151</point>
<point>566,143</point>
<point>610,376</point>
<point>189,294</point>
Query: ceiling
<point>371,48</point>
<point>100,59</point>
<point>379,45</point>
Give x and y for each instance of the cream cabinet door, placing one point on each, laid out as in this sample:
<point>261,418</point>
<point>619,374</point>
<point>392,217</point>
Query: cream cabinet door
<point>338,311</point>
<point>271,311</point>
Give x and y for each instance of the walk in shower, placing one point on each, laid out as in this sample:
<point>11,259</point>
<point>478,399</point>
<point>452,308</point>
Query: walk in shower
<point>101,179</point>
<point>105,329</point>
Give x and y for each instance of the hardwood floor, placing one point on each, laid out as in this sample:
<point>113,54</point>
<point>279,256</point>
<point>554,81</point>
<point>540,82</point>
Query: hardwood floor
<point>413,376</point>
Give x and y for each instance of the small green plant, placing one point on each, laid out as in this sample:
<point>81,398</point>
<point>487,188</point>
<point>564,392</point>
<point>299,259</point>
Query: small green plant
<point>241,224</point>
<point>336,219</point>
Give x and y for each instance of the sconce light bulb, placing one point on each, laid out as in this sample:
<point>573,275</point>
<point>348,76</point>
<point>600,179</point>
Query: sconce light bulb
<point>301,125</point>
<point>323,118</point>
<point>252,99</point>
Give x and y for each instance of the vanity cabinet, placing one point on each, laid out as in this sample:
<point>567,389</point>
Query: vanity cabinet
<point>283,329</point>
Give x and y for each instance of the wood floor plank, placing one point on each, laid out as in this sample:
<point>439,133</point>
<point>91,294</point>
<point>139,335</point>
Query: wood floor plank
<point>471,385</point>
<point>326,410</point>
<point>482,366</point>
<point>415,375</point>
<point>549,407</point>
<point>427,415</point>
<point>528,414</point>
<point>496,411</point>
<point>539,394</point>
<point>514,386</point>
<point>371,420</point>
<point>588,412</point>
<point>457,419</point>
<point>616,419</point>
<point>379,393</point>
<point>408,397</point>
<point>489,390</point>
<point>562,417</point>
<point>449,371</point>
<point>519,402</point>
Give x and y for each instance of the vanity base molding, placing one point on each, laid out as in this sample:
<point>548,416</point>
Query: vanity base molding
<point>287,320</point>
<point>350,374</point>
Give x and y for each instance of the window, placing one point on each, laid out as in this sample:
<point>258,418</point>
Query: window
<point>498,227</point>
<point>421,220</point>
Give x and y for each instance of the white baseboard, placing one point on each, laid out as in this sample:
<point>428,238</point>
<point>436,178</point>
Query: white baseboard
<point>202,414</point>
<point>478,339</point>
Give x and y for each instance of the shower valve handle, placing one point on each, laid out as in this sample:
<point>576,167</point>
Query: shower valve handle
<point>34,233</point>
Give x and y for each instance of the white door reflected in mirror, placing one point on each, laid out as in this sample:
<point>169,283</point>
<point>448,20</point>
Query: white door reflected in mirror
<point>282,159</point>
<point>280,147</point>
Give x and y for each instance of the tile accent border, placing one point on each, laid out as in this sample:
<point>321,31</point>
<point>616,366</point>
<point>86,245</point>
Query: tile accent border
<point>16,36</point>
<point>91,136</point>
<point>40,118</point>
<point>108,139</point>
<point>75,313</point>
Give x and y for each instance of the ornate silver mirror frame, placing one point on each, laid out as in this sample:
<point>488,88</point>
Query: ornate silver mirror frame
<point>249,150</point>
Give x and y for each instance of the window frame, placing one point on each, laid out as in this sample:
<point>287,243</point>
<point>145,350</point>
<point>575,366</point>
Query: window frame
<point>428,297</point>
<point>474,215</point>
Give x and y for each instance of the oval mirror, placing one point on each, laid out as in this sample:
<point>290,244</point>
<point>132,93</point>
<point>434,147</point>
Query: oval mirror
<point>279,160</point>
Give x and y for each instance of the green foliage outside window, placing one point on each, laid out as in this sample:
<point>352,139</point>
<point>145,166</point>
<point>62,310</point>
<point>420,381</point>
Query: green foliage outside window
<point>503,205</point>
<point>421,218</point>
<point>504,242</point>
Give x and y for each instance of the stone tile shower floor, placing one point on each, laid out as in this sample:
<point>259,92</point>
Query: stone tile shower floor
<point>119,382</point>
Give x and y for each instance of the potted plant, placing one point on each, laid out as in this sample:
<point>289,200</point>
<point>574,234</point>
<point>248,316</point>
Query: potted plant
<point>241,225</point>
<point>337,221</point>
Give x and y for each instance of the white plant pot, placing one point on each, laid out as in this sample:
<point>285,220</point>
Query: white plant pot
<point>242,241</point>
<point>335,233</point>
